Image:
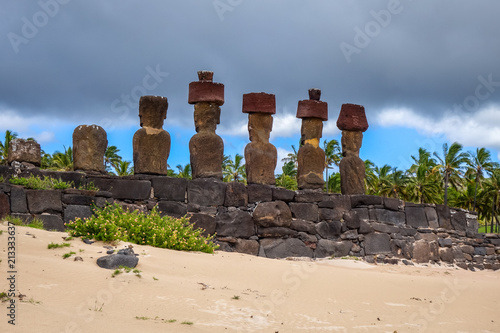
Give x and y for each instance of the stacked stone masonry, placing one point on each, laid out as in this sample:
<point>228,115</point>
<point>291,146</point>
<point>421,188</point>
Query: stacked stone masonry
<point>270,221</point>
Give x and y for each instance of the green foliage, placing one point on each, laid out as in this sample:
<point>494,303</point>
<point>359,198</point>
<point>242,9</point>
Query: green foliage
<point>69,254</point>
<point>37,183</point>
<point>53,245</point>
<point>187,323</point>
<point>4,146</point>
<point>90,186</point>
<point>234,170</point>
<point>35,223</point>
<point>113,223</point>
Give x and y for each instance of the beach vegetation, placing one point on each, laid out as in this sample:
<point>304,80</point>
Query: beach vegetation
<point>69,254</point>
<point>53,245</point>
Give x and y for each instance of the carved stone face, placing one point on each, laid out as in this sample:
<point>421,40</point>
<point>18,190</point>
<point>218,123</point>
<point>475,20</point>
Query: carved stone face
<point>260,126</point>
<point>351,142</point>
<point>206,117</point>
<point>152,111</point>
<point>312,128</point>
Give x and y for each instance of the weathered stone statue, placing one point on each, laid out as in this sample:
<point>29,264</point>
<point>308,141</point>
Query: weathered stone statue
<point>260,155</point>
<point>89,146</point>
<point>206,148</point>
<point>27,151</point>
<point>352,121</point>
<point>311,158</point>
<point>151,143</point>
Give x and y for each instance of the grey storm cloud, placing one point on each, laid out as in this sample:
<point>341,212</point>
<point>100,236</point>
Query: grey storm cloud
<point>90,60</point>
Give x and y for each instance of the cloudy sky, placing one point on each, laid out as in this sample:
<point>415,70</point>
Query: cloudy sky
<point>427,72</point>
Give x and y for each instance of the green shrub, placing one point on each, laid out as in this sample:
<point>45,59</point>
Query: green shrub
<point>37,183</point>
<point>53,245</point>
<point>113,223</point>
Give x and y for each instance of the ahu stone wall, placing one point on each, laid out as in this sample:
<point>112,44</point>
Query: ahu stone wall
<point>270,221</point>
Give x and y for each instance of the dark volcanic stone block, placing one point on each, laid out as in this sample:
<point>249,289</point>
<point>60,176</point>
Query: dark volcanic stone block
<point>376,243</point>
<point>328,214</point>
<point>236,195</point>
<point>4,205</point>
<point>309,196</point>
<point>328,248</point>
<point>52,222</point>
<point>329,230</point>
<point>206,192</point>
<point>172,208</point>
<point>365,200</point>
<point>77,178</point>
<point>392,203</point>
<point>18,202</point>
<point>259,193</point>
<point>352,220</point>
<point>390,217</point>
<point>432,218</point>
<point>170,188</point>
<point>459,221</point>
<point>205,222</point>
<point>304,211</point>
<point>40,201</point>
<point>247,246</point>
<point>235,224</point>
<point>304,226</point>
<point>272,214</point>
<point>415,217</point>
<point>71,212</point>
<point>283,248</point>
<point>77,199</point>
<point>444,216</point>
<point>124,188</point>
<point>283,194</point>
<point>276,232</point>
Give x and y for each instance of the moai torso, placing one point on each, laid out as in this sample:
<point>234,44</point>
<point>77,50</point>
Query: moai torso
<point>260,155</point>
<point>352,121</point>
<point>151,143</point>
<point>89,147</point>
<point>310,157</point>
<point>206,148</point>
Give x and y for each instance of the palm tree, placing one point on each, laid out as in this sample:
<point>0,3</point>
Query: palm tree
<point>123,168</point>
<point>234,170</point>
<point>423,185</point>
<point>450,165</point>
<point>333,183</point>
<point>184,171</point>
<point>291,157</point>
<point>333,155</point>
<point>479,162</point>
<point>111,157</point>
<point>396,183</point>
<point>490,198</point>
<point>4,147</point>
<point>370,177</point>
<point>63,161</point>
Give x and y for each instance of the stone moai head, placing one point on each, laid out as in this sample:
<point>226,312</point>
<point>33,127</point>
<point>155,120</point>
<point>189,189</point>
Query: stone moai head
<point>89,146</point>
<point>153,111</point>
<point>207,96</point>
<point>22,150</point>
<point>260,108</point>
<point>352,121</point>
<point>312,112</point>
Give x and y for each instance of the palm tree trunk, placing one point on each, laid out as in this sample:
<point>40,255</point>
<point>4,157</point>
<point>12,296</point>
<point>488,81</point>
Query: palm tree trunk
<point>446,189</point>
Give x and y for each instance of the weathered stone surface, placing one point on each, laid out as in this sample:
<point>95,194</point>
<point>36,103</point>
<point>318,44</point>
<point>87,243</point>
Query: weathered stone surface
<point>236,224</point>
<point>401,248</point>
<point>387,228</point>
<point>283,248</point>
<point>125,258</point>
<point>206,192</point>
<point>376,243</point>
<point>421,251</point>
<point>52,222</point>
<point>259,102</point>
<point>445,242</point>
<point>236,195</point>
<point>276,232</point>
<point>304,226</point>
<point>415,217</point>
<point>352,117</point>
<point>329,248</point>
<point>172,208</point>
<point>329,230</point>
<point>151,143</point>
<point>310,196</point>
<point>124,189</point>
<point>432,217</point>
<point>21,150</point>
<point>272,214</point>
<point>310,157</point>
<point>205,222</point>
<point>352,168</point>
<point>170,188</point>
<point>282,194</point>
<point>247,246</point>
<point>71,212</point>
<point>77,199</point>
<point>40,201</point>
<point>390,217</point>
<point>4,205</point>
<point>259,193</point>
<point>328,214</point>
<point>392,203</point>
<point>89,145</point>
<point>205,90</point>
<point>305,211</point>
<point>18,202</point>
<point>307,239</point>
<point>364,227</point>
<point>312,109</point>
<point>444,217</point>
<point>433,250</point>
<point>337,201</point>
<point>260,155</point>
<point>349,234</point>
<point>446,254</point>
<point>362,213</point>
<point>351,219</point>
<point>480,251</point>
<point>458,221</point>
<point>365,200</point>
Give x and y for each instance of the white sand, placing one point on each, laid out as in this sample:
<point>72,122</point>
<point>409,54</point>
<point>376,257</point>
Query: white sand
<point>63,295</point>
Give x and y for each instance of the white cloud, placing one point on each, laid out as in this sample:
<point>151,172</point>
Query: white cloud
<point>480,129</point>
<point>26,127</point>
<point>282,153</point>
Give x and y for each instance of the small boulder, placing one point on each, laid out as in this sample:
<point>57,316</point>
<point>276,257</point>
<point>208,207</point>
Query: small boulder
<point>124,257</point>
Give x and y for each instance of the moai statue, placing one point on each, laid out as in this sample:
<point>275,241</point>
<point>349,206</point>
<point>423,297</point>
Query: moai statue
<point>311,158</point>
<point>151,143</point>
<point>260,155</point>
<point>352,121</point>
<point>206,148</point>
<point>25,151</point>
<point>89,146</point>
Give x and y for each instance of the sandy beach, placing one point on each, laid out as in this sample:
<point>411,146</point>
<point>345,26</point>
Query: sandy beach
<point>231,292</point>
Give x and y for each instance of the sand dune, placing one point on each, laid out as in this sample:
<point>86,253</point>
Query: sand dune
<point>229,292</point>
